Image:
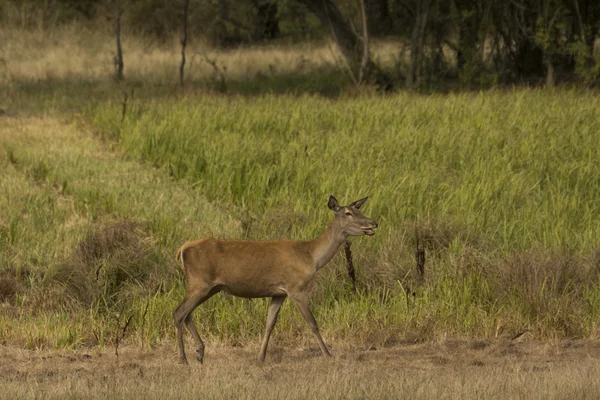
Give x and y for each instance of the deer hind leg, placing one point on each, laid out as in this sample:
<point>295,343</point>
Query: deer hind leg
<point>302,303</point>
<point>274,308</point>
<point>182,314</point>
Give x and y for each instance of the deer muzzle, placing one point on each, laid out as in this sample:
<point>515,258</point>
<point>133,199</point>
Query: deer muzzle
<point>370,231</point>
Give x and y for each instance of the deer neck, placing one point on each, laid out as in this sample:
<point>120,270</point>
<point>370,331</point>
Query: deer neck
<point>326,246</point>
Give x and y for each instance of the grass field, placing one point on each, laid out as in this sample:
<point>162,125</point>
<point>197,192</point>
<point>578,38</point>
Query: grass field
<point>97,193</point>
<point>502,188</point>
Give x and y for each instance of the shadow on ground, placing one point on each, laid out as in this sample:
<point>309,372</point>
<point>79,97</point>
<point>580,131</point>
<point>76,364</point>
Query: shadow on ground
<point>35,97</point>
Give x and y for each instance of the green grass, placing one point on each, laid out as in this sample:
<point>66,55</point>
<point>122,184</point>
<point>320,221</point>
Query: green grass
<point>60,189</point>
<point>501,188</point>
<point>516,170</point>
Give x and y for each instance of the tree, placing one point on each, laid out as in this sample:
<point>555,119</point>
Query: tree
<point>184,40</point>
<point>119,65</point>
<point>351,44</point>
<point>268,20</point>
<point>379,19</point>
<point>417,42</point>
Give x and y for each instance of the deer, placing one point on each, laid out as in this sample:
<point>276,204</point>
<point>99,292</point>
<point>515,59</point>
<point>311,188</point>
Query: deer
<point>258,269</point>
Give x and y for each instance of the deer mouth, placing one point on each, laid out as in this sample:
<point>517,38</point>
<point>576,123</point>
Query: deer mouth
<point>368,231</point>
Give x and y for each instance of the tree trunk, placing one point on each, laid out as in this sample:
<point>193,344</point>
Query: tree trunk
<point>379,18</point>
<point>417,43</point>
<point>348,42</point>
<point>579,23</point>
<point>333,21</point>
<point>119,57</point>
<point>269,21</point>
<point>184,40</point>
<point>467,39</point>
<point>550,75</point>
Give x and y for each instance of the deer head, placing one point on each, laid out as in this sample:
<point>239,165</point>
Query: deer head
<point>349,220</point>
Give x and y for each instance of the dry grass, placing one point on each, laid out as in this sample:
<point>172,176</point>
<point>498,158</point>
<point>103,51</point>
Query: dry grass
<point>74,52</point>
<point>8,288</point>
<point>112,264</point>
<point>447,370</point>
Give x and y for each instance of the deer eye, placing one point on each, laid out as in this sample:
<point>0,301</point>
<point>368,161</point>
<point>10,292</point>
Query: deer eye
<point>348,213</point>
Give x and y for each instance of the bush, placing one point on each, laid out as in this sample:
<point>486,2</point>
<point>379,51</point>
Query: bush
<point>110,265</point>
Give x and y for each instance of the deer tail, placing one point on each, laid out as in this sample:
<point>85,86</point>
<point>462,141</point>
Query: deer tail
<point>179,255</point>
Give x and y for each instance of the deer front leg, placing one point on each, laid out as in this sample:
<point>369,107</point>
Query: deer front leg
<point>274,308</point>
<point>302,303</point>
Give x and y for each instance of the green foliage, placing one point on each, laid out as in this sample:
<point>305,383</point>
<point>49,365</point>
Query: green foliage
<point>587,64</point>
<point>482,179</point>
<point>431,156</point>
<point>500,187</point>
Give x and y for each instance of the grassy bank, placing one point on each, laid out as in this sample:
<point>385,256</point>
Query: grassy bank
<point>500,187</point>
<point>79,234</point>
<point>518,169</point>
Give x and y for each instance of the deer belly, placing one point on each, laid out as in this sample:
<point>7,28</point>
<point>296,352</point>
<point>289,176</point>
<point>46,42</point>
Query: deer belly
<point>244,289</point>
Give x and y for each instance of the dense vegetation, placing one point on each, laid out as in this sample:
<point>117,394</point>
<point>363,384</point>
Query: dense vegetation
<point>462,43</point>
<point>101,181</point>
<point>501,188</point>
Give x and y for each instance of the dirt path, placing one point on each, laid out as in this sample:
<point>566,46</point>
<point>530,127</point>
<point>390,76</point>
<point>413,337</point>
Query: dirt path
<point>453,369</point>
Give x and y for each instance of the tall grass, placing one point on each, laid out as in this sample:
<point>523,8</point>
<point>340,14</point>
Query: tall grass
<point>500,187</point>
<point>517,170</point>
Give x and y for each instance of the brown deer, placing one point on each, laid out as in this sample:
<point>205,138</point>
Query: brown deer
<point>277,269</point>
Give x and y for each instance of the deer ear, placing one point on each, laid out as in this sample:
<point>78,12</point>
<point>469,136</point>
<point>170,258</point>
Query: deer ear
<point>333,204</point>
<point>358,203</point>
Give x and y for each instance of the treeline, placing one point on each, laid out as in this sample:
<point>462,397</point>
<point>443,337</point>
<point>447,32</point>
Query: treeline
<point>473,42</point>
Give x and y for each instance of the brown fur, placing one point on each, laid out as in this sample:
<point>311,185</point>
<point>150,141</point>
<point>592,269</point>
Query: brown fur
<point>251,269</point>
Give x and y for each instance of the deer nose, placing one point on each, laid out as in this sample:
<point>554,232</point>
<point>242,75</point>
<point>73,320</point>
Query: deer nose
<point>375,224</point>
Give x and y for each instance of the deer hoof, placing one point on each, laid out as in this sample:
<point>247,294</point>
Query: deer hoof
<point>200,355</point>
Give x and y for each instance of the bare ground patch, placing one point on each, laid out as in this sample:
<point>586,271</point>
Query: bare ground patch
<point>449,369</point>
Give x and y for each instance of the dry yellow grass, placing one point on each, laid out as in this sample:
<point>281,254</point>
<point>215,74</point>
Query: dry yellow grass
<point>74,52</point>
<point>448,370</point>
